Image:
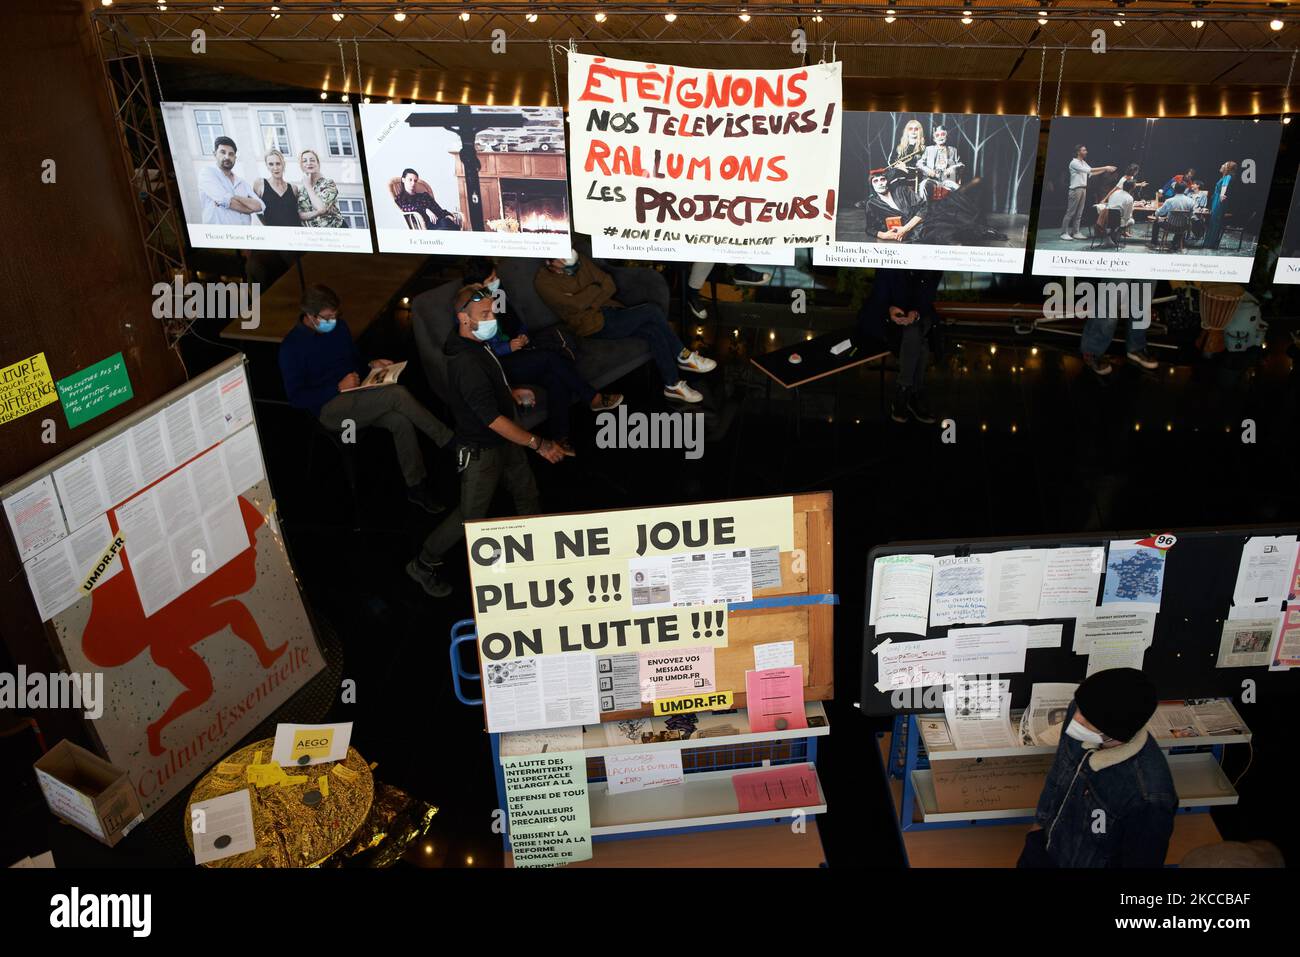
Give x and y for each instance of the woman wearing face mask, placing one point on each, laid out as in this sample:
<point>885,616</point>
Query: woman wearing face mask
<point>318,195</point>
<point>546,358</point>
<point>1109,799</point>
<point>278,195</point>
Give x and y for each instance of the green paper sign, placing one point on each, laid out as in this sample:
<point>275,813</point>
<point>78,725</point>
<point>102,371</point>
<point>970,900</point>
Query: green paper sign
<point>94,390</point>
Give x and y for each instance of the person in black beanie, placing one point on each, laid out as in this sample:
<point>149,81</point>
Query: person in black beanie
<point>1109,799</point>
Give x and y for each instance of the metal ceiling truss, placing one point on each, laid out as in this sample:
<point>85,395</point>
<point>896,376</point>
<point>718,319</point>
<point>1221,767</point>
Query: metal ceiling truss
<point>1153,27</point>
<point>145,160</point>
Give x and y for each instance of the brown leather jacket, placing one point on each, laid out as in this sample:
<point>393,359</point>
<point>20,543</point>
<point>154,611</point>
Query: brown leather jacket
<point>577,299</point>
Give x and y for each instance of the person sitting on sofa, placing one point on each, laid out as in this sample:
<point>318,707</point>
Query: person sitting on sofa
<point>582,295</point>
<point>547,360</point>
<point>322,372</point>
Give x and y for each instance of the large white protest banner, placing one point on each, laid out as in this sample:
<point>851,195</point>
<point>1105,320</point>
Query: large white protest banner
<point>683,163</point>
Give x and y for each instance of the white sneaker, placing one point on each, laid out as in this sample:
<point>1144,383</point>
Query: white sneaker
<point>694,362</point>
<point>1079,236</point>
<point>682,392</point>
<point>1067,236</point>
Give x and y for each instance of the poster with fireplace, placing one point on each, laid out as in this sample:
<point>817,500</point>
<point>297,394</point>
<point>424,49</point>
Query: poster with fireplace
<point>153,555</point>
<point>468,180</point>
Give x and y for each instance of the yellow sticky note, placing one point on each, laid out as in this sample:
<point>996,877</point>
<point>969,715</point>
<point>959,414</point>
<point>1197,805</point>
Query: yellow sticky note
<point>713,701</point>
<point>25,386</point>
<point>344,772</point>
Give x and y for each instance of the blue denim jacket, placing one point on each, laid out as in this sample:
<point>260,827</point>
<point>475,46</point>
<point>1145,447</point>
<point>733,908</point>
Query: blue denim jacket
<point>1130,785</point>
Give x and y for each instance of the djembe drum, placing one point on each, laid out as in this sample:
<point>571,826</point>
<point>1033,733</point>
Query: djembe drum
<point>1218,304</point>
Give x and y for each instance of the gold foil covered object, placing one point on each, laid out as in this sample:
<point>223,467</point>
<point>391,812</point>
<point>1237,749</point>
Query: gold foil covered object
<point>299,824</point>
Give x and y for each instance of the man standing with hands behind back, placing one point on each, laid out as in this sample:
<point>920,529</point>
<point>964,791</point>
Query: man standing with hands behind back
<point>489,442</point>
<point>900,312</point>
<point>1080,172</point>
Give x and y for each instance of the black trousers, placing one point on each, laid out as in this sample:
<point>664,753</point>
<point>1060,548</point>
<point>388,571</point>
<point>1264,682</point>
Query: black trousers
<point>479,481</point>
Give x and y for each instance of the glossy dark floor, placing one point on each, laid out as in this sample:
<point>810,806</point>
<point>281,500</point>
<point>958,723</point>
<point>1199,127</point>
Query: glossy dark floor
<point>1041,446</point>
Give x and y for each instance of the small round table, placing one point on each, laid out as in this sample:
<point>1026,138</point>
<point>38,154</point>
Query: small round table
<point>296,825</point>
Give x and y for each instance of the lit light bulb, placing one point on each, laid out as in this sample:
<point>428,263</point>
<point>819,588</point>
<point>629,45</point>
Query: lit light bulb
<point>744,18</point>
<point>531,18</point>
<point>337,17</point>
<point>1275,25</point>
<point>1042,21</point>
<point>670,17</point>
<point>324,95</point>
<point>399,16</point>
<point>1197,24</point>
<point>464,17</point>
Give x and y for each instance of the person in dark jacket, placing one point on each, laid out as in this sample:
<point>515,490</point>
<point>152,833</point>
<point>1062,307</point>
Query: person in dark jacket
<point>1109,800</point>
<point>900,312</point>
<point>322,373</point>
<point>546,360</point>
<point>490,442</point>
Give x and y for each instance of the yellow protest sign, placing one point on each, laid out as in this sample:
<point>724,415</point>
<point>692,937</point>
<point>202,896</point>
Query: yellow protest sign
<point>25,386</point>
<point>602,632</point>
<point>630,533</point>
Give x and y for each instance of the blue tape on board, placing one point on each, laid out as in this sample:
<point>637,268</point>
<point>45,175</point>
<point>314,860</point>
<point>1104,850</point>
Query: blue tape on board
<point>784,601</point>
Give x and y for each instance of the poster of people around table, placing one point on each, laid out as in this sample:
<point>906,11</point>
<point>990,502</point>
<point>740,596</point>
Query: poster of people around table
<point>283,176</point>
<point>486,180</point>
<point>720,165</point>
<point>1154,198</point>
<point>1288,259</point>
<point>934,191</point>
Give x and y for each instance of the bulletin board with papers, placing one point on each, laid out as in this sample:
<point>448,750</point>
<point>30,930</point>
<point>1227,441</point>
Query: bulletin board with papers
<point>604,616</point>
<point>153,555</point>
<point>1197,610</point>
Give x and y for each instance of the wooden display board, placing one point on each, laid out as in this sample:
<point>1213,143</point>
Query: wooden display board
<point>806,575</point>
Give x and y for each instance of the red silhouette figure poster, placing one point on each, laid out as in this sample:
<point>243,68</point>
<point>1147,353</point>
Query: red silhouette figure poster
<point>185,683</point>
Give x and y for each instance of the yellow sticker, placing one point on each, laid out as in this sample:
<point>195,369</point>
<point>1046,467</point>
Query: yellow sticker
<point>714,701</point>
<point>272,775</point>
<point>314,744</point>
<point>98,571</point>
<point>345,772</point>
<point>323,785</point>
<point>25,387</point>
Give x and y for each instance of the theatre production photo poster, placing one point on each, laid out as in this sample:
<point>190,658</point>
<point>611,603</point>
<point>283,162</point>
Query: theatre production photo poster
<point>934,191</point>
<point>1154,198</point>
<point>284,176</point>
<point>1287,271</point>
<point>672,162</point>
<point>468,180</point>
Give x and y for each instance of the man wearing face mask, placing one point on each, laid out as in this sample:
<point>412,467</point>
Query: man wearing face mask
<point>1109,800</point>
<point>582,295</point>
<point>490,444</point>
<point>322,370</point>
<point>546,359</point>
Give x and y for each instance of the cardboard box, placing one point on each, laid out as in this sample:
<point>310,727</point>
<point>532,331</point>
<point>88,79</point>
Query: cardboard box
<point>87,792</point>
<point>989,784</point>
